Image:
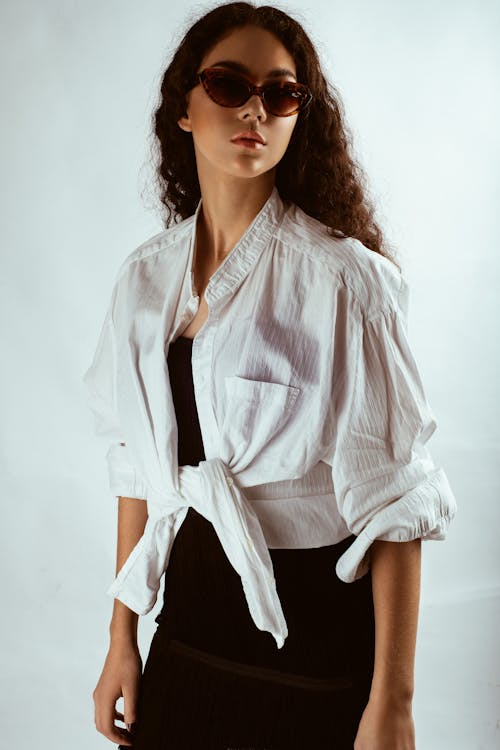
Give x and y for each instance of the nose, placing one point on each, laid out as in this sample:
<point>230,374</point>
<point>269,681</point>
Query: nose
<point>254,106</point>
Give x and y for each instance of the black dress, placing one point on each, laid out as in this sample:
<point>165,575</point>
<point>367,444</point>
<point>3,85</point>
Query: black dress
<point>212,679</point>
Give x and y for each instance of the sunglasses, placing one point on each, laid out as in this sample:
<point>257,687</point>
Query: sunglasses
<point>232,90</point>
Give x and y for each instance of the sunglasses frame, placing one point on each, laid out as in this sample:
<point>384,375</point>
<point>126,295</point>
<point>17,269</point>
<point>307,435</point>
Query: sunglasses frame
<point>204,76</point>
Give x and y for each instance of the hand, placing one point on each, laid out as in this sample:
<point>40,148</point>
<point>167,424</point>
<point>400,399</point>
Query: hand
<point>386,725</point>
<point>120,676</point>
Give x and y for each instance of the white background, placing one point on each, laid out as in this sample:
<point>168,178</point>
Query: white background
<point>79,82</point>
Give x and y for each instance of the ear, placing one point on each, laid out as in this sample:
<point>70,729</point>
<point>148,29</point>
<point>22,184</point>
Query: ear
<point>185,123</point>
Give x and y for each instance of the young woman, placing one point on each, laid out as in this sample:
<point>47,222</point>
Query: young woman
<point>267,422</point>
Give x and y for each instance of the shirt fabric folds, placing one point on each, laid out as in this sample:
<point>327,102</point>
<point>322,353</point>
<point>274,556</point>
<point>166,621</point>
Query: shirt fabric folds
<point>312,410</point>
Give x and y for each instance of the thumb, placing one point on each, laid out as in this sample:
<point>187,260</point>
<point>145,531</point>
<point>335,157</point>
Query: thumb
<point>130,706</point>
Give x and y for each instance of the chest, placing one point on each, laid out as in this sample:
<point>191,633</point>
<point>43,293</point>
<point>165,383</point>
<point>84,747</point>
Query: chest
<point>203,269</point>
<point>199,319</point>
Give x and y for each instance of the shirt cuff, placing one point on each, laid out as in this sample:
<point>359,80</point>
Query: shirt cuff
<point>424,512</point>
<point>124,480</point>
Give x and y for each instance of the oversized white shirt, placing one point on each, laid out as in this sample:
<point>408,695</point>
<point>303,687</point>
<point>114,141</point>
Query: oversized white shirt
<point>312,411</point>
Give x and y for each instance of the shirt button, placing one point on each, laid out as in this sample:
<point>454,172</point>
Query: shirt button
<point>229,480</point>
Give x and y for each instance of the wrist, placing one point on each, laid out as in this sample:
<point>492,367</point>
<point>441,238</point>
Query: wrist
<point>122,639</point>
<point>123,625</point>
<point>390,693</point>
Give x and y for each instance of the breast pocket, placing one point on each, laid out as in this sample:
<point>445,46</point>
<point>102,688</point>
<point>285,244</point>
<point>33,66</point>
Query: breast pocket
<point>255,412</point>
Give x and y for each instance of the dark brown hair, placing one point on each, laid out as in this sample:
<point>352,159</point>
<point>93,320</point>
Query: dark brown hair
<point>317,171</point>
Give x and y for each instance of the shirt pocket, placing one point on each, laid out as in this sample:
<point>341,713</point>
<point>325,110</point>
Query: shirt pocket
<point>254,414</point>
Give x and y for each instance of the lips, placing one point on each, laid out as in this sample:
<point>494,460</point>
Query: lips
<point>249,135</point>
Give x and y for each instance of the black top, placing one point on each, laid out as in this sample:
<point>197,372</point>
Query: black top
<point>190,444</point>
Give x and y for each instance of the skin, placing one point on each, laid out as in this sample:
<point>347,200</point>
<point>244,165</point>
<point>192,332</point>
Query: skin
<point>235,183</point>
<point>122,670</point>
<point>387,721</point>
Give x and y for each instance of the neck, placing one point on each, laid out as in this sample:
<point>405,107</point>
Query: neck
<point>225,214</point>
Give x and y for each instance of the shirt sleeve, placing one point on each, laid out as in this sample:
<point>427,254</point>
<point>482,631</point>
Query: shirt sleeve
<point>385,482</point>
<point>100,383</point>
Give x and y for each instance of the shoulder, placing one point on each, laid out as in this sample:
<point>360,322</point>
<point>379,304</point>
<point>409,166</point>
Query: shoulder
<point>373,281</point>
<point>174,238</point>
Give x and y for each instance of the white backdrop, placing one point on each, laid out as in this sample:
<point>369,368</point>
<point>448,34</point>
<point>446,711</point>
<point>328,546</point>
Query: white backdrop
<point>78,83</point>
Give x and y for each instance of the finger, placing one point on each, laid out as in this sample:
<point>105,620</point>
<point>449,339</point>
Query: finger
<point>120,717</point>
<point>125,743</point>
<point>116,735</point>
<point>119,735</point>
<point>106,726</point>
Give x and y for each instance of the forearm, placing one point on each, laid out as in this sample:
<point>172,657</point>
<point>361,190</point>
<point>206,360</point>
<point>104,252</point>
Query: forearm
<point>395,568</point>
<point>132,517</point>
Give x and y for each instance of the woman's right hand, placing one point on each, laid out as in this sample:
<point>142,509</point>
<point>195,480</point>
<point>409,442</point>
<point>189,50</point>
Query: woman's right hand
<point>120,676</point>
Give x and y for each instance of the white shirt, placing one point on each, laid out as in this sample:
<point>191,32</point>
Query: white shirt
<point>311,408</point>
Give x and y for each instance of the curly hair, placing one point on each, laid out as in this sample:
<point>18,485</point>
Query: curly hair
<point>317,171</point>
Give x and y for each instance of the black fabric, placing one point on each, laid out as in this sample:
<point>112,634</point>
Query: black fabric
<point>212,680</point>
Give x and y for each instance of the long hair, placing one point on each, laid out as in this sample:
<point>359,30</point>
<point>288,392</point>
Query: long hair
<point>317,172</point>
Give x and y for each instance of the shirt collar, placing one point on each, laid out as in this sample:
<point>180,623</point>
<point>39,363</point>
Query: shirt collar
<point>246,251</point>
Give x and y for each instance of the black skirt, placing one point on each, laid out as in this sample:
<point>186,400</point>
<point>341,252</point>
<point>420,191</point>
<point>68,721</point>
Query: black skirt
<point>214,681</point>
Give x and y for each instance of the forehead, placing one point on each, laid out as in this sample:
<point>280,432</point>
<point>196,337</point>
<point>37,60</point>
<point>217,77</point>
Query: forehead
<point>252,51</point>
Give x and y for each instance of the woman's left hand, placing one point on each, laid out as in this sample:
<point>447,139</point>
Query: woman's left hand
<point>386,725</point>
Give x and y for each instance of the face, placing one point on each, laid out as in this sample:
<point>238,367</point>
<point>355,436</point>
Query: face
<point>213,126</point>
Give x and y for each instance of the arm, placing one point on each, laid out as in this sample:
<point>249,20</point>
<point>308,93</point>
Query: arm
<point>396,593</point>
<point>122,669</point>
<point>132,516</point>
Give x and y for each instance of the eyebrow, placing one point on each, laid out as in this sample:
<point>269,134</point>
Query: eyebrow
<point>276,73</point>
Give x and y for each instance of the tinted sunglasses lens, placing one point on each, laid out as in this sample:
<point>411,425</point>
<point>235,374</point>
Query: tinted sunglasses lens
<point>226,90</point>
<point>285,100</point>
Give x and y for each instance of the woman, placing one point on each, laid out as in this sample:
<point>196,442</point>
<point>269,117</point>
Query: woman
<point>276,272</point>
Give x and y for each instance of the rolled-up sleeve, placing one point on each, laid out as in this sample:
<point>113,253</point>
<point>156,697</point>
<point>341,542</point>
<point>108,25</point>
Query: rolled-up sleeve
<point>385,482</point>
<point>100,383</point>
